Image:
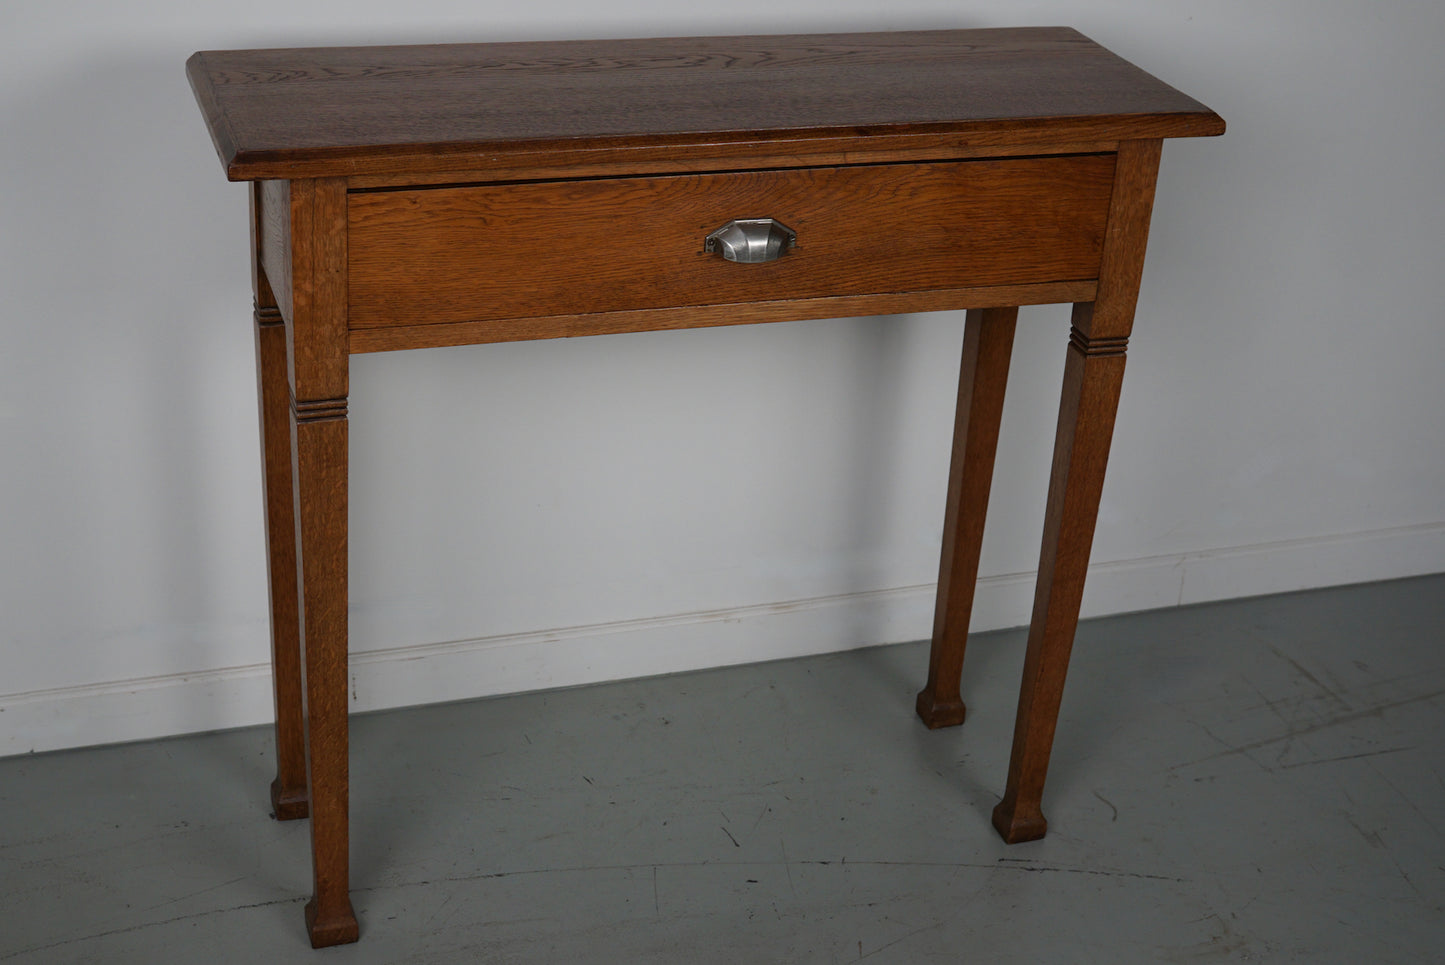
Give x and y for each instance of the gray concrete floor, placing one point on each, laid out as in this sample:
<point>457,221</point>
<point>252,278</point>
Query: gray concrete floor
<point>1257,780</point>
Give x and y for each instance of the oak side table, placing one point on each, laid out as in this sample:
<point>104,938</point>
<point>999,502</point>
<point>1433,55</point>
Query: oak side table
<point>407,197</point>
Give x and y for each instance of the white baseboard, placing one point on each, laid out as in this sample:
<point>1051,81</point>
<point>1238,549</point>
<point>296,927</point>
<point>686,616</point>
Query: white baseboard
<point>127,710</point>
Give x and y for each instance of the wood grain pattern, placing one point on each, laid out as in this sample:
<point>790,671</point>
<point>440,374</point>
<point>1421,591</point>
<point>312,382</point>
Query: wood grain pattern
<point>318,358</point>
<point>288,790</point>
<point>273,224</point>
<point>987,343</point>
<point>443,255</point>
<point>327,112</point>
<point>265,295</point>
<point>423,196</point>
<point>1122,269</point>
<point>319,451</point>
<point>1093,377</point>
<point>319,374</point>
<point>809,152</point>
<point>742,313</point>
<point>1092,380</point>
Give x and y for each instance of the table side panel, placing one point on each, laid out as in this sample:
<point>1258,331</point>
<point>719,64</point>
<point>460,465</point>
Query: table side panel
<point>447,255</point>
<point>274,226</point>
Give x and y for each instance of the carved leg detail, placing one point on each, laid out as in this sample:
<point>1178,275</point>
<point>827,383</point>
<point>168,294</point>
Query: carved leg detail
<point>987,343</point>
<point>1093,374</point>
<point>319,440</point>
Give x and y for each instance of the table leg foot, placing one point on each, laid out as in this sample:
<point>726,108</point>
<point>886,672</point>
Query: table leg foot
<point>1018,824</point>
<point>938,713</point>
<point>289,803</point>
<point>338,927</point>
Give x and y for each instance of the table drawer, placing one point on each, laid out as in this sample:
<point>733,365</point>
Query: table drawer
<point>526,250</point>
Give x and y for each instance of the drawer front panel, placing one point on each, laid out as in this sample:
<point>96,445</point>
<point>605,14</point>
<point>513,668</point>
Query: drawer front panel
<point>440,255</point>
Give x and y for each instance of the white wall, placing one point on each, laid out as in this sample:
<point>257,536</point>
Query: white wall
<point>534,515</point>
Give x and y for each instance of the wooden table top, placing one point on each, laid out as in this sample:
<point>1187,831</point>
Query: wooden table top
<point>338,111</point>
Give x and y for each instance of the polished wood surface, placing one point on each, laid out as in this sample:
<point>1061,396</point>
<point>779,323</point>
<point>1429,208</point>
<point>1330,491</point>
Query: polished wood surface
<point>325,112</point>
<point>703,316</point>
<point>319,453</point>
<point>319,363</point>
<point>988,338</point>
<point>272,224</point>
<point>574,162</point>
<point>288,790</point>
<point>1093,377</point>
<point>415,197</point>
<point>440,255</point>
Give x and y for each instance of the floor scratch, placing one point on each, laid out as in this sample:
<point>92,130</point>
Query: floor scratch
<point>1272,705</point>
<point>149,924</point>
<point>788,868</point>
<point>916,931</point>
<point>1372,838</point>
<point>1346,757</point>
<point>1406,798</point>
<point>1304,672</point>
<point>1350,718</point>
<point>192,894</point>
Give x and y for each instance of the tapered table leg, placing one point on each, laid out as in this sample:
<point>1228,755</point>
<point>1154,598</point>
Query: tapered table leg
<point>288,790</point>
<point>1093,375</point>
<point>987,343</point>
<point>319,440</point>
<point>317,362</point>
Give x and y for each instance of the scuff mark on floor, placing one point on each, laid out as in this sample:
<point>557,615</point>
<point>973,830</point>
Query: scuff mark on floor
<point>1376,711</point>
<point>1345,757</point>
<point>1372,838</point>
<point>1325,690</point>
<point>149,924</point>
<point>1112,808</point>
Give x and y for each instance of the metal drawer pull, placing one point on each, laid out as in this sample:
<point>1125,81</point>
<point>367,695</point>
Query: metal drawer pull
<point>751,240</point>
